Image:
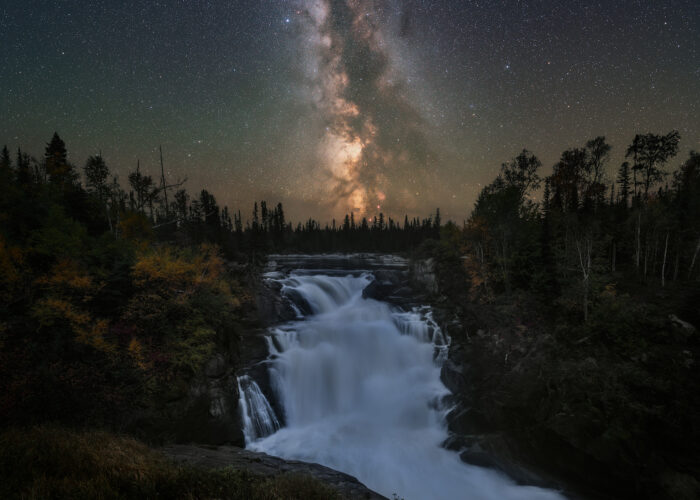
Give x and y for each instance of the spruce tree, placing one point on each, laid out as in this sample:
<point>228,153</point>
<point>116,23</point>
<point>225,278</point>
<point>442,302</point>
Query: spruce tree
<point>623,179</point>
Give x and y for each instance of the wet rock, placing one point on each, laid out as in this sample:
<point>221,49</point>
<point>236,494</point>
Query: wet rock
<point>386,275</point>
<point>423,274</point>
<point>680,486</point>
<point>684,326</point>
<point>479,458</point>
<point>266,465</point>
<point>272,306</point>
<point>216,367</point>
<point>403,292</point>
<point>378,290</point>
<point>299,301</point>
<point>463,420</point>
<point>453,376</point>
<point>371,262</point>
<point>209,414</point>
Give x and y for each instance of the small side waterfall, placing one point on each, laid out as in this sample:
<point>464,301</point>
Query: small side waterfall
<point>359,384</point>
<point>259,418</point>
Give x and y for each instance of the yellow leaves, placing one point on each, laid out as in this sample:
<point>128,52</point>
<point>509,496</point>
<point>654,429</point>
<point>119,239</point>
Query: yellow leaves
<point>136,351</point>
<point>610,290</point>
<point>135,347</point>
<point>49,312</point>
<point>178,271</point>
<point>135,226</point>
<point>94,336</point>
<point>162,266</point>
<point>68,287</point>
<point>67,274</point>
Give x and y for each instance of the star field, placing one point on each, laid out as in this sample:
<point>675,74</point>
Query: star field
<point>337,105</point>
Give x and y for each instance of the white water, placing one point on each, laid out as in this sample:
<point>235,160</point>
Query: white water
<point>361,391</point>
<point>259,419</point>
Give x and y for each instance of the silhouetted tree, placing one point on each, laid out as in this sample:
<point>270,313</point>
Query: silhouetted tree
<point>59,171</point>
<point>650,153</point>
<point>623,179</point>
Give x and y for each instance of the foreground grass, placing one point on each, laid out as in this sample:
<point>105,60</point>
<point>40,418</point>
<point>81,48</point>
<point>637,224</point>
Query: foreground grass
<point>52,463</point>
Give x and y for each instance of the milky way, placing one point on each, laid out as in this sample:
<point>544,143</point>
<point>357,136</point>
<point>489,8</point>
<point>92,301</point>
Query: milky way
<point>373,152</point>
<point>330,106</point>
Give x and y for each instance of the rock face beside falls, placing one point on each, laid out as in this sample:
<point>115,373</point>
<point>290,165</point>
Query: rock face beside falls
<point>265,465</point>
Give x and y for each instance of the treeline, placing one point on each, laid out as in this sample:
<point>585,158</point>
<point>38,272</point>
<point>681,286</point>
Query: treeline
<point>113,296</point>
<point>152,208</point>
<point>101,321</point>
<point>591,232</point>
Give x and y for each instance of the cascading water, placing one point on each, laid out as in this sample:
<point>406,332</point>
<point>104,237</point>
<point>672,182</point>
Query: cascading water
<point>360,387</point>
<point>259,420</point>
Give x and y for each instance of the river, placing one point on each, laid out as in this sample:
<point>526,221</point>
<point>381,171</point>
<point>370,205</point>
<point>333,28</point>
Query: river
<point>359,384</point>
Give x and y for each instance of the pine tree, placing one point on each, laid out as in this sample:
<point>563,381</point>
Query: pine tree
<point>59,171</point>
<point>6,174</point>
<point>436,224</point>
<point>623,179</point>
<point>24,173</point>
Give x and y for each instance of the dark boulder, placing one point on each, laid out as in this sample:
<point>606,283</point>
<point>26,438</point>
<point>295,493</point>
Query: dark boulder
<point>266,465</point>
<point>378,290</point>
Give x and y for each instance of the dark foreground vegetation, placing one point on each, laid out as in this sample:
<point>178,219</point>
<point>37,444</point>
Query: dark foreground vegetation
<point>50,462</point>
<point>579,312</point>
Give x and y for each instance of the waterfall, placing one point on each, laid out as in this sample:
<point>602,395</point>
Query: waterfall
<point>259,419</point>
<point>359,384</point>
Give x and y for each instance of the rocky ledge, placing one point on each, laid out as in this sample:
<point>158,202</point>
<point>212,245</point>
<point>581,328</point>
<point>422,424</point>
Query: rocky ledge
<point>266,465</point>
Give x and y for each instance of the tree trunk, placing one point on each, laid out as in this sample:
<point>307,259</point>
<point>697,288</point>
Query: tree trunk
<point>585,301</point>
<point>165,186</point>
<point>646,258</point>
<point>663,266</point>
<point>639,237</point>
<point>614,256</point>
<point>692,263</point>
<point>678,259</point>
<point>585,263</point>
<point>109,218</point>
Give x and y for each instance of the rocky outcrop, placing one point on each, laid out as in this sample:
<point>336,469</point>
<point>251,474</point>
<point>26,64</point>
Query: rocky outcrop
<point>209,412</point>
<point>335,262</point>
<point>273,307</point>
<point>424,276</point>
<point>266,465</point>
<point>684,326</point>
<point>392,286</point>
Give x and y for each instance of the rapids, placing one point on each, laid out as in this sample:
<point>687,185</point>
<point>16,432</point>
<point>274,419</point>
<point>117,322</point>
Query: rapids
<point>359,384</point>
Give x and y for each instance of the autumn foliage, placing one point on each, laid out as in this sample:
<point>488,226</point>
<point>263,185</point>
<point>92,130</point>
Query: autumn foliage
<point>98,318</point>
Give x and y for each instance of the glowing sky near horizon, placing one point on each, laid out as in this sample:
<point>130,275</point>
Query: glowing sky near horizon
<point>332,106</point>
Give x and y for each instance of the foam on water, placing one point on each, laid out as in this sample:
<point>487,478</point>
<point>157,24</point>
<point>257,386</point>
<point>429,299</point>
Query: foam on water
<point>360,387</point>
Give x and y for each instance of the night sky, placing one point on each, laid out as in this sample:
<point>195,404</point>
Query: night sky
<point>337,105</point>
